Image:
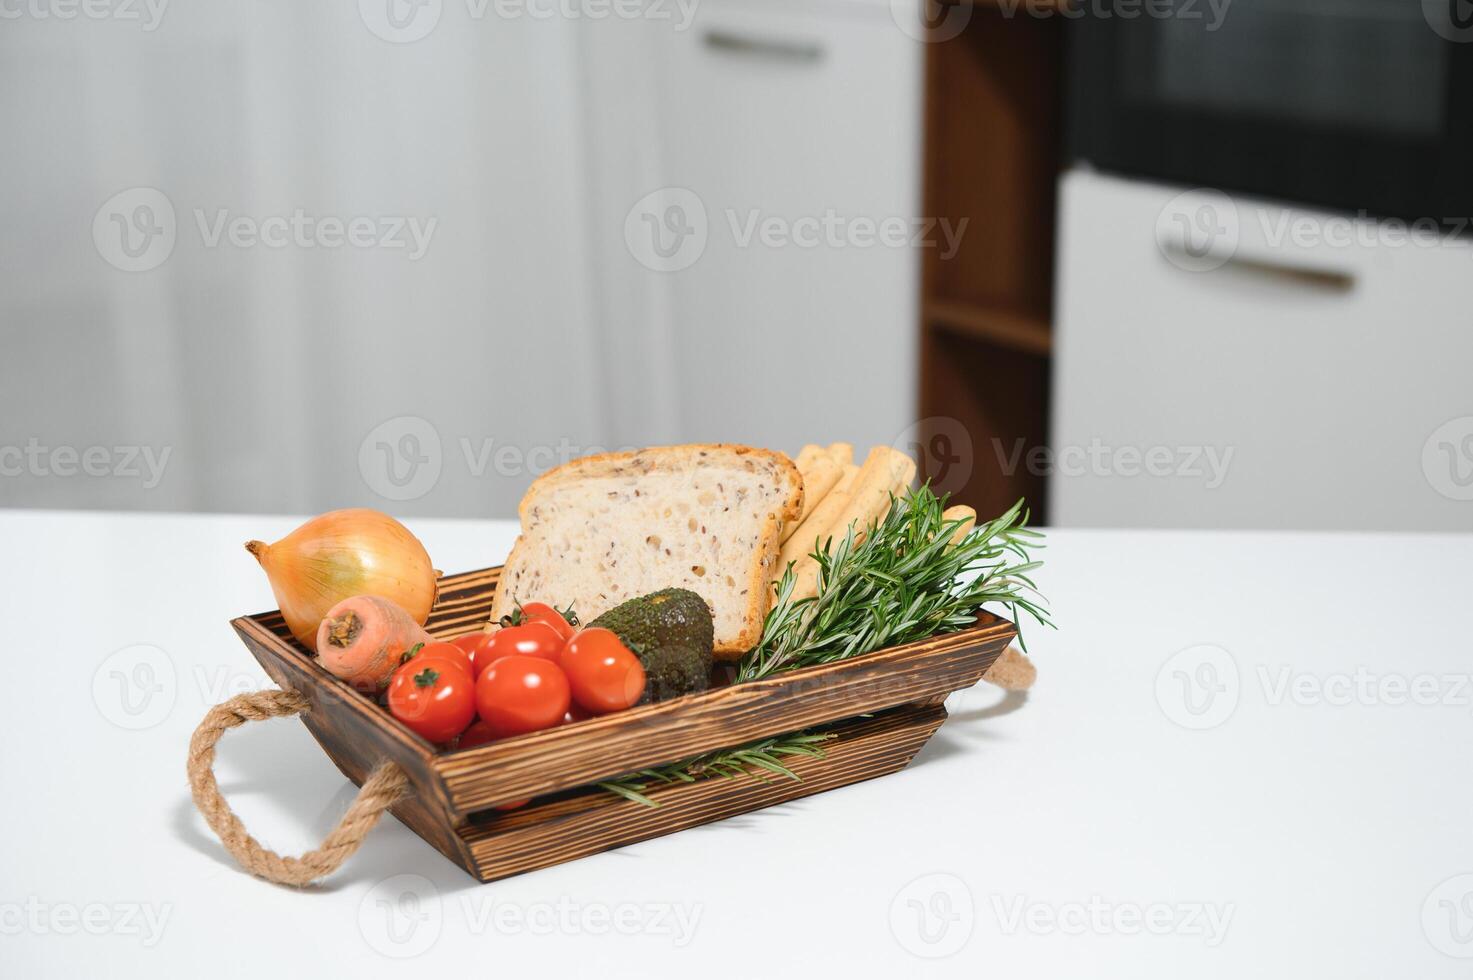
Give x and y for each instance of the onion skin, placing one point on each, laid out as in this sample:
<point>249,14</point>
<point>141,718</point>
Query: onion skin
<point>342,554</point>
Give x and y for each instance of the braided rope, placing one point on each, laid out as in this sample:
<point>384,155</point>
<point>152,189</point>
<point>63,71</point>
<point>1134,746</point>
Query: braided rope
<point>384,786</point>
<point>1012,671</point>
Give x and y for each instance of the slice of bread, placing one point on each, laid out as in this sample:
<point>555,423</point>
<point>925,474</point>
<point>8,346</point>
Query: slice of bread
<point>708,518</point>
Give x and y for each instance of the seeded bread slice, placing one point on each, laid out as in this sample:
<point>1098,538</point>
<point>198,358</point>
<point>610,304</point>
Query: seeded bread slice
<point>708,518</point>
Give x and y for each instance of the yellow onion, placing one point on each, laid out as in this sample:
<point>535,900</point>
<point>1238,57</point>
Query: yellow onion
<point>343,554</point>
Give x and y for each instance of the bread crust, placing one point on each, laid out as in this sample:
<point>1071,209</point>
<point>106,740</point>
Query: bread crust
<point>759,591</point>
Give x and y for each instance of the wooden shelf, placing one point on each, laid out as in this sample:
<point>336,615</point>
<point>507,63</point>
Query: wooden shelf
<point>993,114</point>
<point>1016,331</point>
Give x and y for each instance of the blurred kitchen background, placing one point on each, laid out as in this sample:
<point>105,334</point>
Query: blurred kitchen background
<point>1175,263</point>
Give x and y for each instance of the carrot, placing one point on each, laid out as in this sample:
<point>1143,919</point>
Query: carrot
<point>362,639</point>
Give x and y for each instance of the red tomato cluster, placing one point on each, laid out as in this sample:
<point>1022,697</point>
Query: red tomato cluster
<point>523,678</point>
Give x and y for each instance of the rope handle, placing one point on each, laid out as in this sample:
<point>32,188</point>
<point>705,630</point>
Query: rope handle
<point>1012,671</point>
<point>383,787</point>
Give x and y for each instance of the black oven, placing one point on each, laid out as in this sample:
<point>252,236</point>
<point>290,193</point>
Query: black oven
<point>1354,105</point>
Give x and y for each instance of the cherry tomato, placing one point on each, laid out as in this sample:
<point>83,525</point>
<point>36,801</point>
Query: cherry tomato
<point>603,674</point>
<point>514,806</point>
<point>450,653</point>
<point>478,734</point>
<point>473,642</point>
<point>518,694</point>
<point>541,612</point>
<point>527,640</point>
<point>576,712</point>
<point>434,699</point>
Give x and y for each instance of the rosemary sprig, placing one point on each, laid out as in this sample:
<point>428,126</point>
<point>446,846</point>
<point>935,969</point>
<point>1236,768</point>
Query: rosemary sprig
<point>746,760</point>
<point>904,580</point>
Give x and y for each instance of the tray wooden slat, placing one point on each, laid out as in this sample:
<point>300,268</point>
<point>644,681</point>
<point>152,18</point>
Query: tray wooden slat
<point>562,830</point>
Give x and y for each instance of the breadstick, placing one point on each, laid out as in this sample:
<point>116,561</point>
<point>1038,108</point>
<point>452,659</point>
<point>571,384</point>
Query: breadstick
<point>818,479</point>
<point>884,471</point>
<point>842,452</point>
<point>963,513</point>
<point>806,455</point>
<point>800,544</point>
<point>846,482</point>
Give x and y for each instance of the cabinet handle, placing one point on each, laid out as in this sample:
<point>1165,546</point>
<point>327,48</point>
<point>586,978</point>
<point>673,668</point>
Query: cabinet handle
<point>771,49</point>
<point>1328,280</point>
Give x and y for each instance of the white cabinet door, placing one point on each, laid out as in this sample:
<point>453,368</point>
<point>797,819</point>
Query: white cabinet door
<point>1222,362</point>
<point>796,125</point>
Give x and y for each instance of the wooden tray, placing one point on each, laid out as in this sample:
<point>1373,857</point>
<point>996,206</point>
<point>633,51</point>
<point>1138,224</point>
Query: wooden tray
<point>898,691</point>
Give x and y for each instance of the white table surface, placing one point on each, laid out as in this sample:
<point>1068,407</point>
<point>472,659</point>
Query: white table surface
<point>1317,830</point>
